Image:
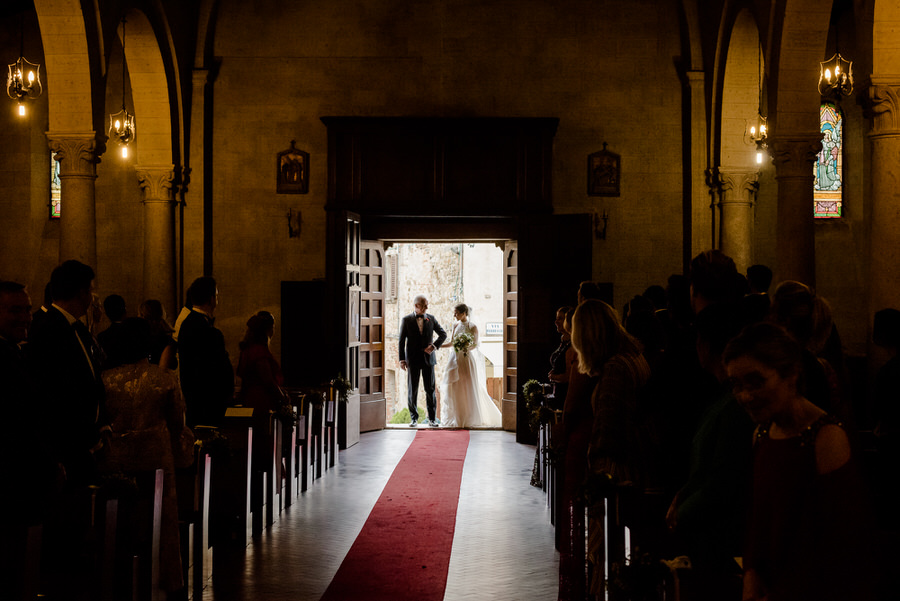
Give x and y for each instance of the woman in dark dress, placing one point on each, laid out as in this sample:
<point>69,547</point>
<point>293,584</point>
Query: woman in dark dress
<point>559,369</point>
<point>808,532</point>
<point>261,382</point>
<point>162,345</point>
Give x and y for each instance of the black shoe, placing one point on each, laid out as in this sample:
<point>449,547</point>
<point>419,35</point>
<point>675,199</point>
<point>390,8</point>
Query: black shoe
<point>414,423</point>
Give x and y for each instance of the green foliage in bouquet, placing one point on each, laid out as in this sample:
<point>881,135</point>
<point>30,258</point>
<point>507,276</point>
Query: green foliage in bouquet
<point>342,387</point>
<point>462,342</point>
<point>533,391</point>
<point>212,442</point>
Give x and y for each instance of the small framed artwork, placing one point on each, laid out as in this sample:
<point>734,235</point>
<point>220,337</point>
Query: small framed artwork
<point>604,172</point>
<point>292,171</point>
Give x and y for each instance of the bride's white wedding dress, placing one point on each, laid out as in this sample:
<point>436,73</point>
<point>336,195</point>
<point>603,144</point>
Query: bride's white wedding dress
<point>465,402</point>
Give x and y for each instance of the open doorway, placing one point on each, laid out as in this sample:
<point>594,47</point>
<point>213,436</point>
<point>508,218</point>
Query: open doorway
<point>448,273</point>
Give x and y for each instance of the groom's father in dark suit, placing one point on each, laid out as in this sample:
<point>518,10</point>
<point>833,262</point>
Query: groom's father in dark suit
<point>207,376</point>
<point>417,346</point>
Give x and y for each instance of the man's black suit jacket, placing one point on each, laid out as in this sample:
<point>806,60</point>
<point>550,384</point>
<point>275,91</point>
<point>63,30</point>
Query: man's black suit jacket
<point>69,392</point>
<point>207,376</point>
<point>413,344</point>
<point>29,462</point>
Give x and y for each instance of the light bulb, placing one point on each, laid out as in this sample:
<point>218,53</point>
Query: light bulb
<point>837,70</point>
<point>31,77</point>
<point>21,110</point>
<point>117,126</point>
<point>828,75</point>
<point>762,130</point>
<point>753,130</point>
<point>124,152</point>
<point>759,157</point>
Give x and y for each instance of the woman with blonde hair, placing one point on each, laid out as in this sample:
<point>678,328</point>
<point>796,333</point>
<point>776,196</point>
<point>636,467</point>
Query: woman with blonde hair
<point>616,452</point>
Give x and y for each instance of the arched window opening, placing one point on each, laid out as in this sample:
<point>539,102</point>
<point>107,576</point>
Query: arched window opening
<point>829,166</point>
<point>55,189</point>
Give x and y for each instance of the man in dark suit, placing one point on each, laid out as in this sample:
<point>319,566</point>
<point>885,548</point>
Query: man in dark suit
<point>63,359</point>
<point>30,471</point>
<point>417,358</point>
<point>207,376</point>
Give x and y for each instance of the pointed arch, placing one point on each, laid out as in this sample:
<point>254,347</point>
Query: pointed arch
<point>150,90</point>
<point>68,84</point>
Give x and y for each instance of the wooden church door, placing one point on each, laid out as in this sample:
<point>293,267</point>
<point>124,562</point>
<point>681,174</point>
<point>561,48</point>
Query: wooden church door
<point>372,403</point>
<point>510,325</point>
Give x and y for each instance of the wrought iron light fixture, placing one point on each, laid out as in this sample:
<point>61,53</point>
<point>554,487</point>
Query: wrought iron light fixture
<point>121,124</point>
<point>757,131</point>
<point>836,77</point>
<point>24,79</point>
<point>836,74</point>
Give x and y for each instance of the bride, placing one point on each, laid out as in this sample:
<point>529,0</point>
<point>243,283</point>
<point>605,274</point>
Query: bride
<point>465,402</point>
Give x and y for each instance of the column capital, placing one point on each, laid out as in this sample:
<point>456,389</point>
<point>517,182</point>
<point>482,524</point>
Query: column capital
<point>77,153</point>
<point>156,182</point>
<point>740,181</point>
<point>794,154</point>
<point>883,106</point>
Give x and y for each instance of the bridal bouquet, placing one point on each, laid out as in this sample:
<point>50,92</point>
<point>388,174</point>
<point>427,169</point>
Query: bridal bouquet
<point>462,342</point>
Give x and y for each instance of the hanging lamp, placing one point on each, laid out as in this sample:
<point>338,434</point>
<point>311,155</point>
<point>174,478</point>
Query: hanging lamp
<point>757,131</point>
<point>836,74</point>
<point>24,79</point>
<point>121,124</point>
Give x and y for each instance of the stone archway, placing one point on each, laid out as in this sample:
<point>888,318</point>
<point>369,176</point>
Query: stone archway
<point>794,125</point>
<point>155,168</point>
<point>737,173</point>
<point>72,134</point>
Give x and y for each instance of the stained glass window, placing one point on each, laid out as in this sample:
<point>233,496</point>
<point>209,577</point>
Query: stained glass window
<point>829,165</point>
<point>55,189</point>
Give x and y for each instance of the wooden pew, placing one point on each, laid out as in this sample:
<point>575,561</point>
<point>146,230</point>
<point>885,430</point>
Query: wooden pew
<point>331,409</point>
<point>231,477</point>
<point>304,432</point>
<point>290,482</point>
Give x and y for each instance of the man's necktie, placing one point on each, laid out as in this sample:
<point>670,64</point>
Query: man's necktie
<point>90,347</point>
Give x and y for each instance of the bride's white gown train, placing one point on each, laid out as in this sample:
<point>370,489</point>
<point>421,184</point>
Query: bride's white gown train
<point>465,402</point>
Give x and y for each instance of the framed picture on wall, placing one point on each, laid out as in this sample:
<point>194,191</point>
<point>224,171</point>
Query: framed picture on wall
<point>292,171</point>
<point>604,172</point>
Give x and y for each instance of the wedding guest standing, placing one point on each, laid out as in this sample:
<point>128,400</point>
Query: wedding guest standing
<point>809,535</point>
<point>111,339</point>
<point>207,377</point>
<point>162,342</point>
<point>559,370</point>
<point>29,470</point>
<point>63,361</point>
<point>606,350</point>
<point>63,358</point>
<point>261,380</point>
<point>146,412</point>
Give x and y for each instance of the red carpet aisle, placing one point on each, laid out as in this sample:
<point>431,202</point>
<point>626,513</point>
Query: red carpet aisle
<point>403,551</point>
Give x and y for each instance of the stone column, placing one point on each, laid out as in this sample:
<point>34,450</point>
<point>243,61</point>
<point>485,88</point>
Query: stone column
<point>78,156</point>
<point>795,246</point>
<point>159,234</point>
<point>702,227</point>
<point>196,226</point>
<point>884,236</point>
<point>736,199</point>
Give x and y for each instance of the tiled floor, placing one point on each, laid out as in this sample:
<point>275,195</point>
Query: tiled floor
<point>502,549</point>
